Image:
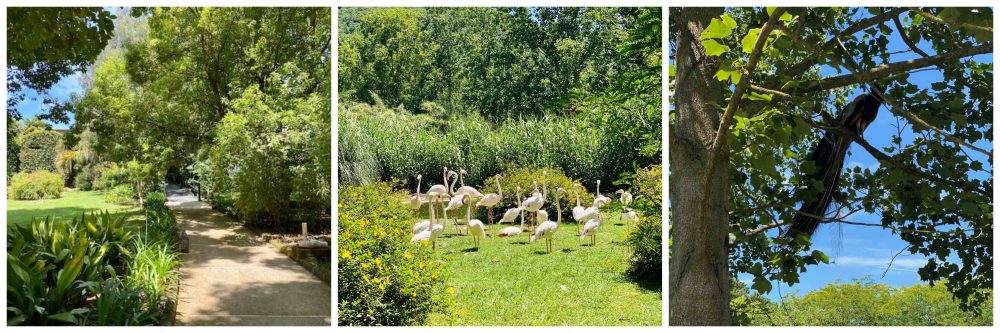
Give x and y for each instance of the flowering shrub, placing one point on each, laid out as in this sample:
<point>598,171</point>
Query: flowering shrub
<point>382,278</point>
<point>646,261</point>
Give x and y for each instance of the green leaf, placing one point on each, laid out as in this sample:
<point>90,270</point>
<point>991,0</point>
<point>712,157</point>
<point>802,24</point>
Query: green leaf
<point>753,96</point>
<point>713,48</point>
<point>761,285</point>
<point>750,40</point>
<point>819,255</point>
<point>786,17</point>
<point>67,316</point>
<point>719,28</point>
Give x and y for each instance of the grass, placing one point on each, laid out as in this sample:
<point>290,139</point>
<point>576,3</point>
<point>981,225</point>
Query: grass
<point>510,282</point>
<point>71,204</point>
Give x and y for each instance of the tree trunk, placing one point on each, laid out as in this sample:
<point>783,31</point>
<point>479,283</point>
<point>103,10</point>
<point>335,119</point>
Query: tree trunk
<point>699,277</point>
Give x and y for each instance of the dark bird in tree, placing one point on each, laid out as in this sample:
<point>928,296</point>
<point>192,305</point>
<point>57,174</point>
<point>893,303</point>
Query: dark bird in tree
<point>828,159</point>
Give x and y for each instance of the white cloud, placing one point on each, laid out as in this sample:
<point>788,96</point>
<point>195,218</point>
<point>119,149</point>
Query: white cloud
<point>904,264</point>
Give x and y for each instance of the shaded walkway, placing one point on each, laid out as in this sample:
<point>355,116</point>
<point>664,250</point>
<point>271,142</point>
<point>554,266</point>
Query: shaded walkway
<point>230,278</point>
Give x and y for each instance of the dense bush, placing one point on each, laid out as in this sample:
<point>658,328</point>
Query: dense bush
<point>282,168</point>
<point>646,240</point>
<point>39,184</point>
<point>87,176</point>
<point>38,150</point>
<point>523,176</point>
<point>377,144</point>
<point>111,177</point>
<point>65,272</point>
<point>122,194</point>
<point>383,279</point>
<point>859,303</point>
<point>155,200</point>
<point>55,266</point>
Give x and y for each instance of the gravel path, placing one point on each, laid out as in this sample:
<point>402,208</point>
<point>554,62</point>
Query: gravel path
<point>231,278</point>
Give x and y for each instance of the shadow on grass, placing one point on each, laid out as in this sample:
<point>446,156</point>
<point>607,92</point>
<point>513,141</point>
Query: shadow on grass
<point>24,216</point>
<point>649,282</point>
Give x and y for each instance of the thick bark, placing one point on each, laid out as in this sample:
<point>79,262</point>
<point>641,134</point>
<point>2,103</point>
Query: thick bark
<point>699,278</point>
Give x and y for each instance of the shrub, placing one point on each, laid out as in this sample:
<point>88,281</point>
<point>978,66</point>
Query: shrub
<point>87,177</point>
<point>38,150</point>
<point>646,261</point>
<point>281,170</point>
<point>372,140</point>
<point>39,184</point>
<point>121,304</point>
<point>53,267</point>
<point>152,268</point>
<point>112,177</point>
<point>122,194</point>
<point>523,176</point>
<point>382,278</point>
<point>155,200</point>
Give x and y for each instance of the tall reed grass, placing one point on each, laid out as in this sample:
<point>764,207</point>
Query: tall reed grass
<point>377,143</point>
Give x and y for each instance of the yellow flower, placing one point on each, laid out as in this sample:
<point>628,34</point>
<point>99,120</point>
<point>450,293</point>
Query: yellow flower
<point>421,264</point>
<point>364,265</point>
<point>378,262</point>
<point>407,255</point>
<point>451,290</point>
<point>381,287</point>
<point>461,312</point>
<point>346,254</point>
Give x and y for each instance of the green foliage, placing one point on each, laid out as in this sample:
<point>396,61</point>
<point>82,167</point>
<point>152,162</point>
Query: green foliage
<point>87,177</point>
<point>47,44</point>
<point>278,167</point>
<point>646,241</point>
<point>40,184</point>
<point>55,265</point>
<point>152,269</point>
<point>155,200</point>
<point>38,149</point>
<point>498,62</point>
<point>771,136</point>
<point>63,272</point>
<point>121,195</point>
<point>860,303</point>
<point>372,140</point>
<point>383,279</point>
<point>520,176</point>
<point>121,304</point>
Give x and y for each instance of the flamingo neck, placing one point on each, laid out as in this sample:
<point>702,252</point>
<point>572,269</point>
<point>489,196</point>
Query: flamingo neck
<point>577,194</point>
<point>499,189</point>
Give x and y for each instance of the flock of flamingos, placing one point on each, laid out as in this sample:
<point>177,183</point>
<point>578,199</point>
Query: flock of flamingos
<point>540,226</point>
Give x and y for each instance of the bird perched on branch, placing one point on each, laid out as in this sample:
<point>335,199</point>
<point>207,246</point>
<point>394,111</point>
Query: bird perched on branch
<point>828,159</point>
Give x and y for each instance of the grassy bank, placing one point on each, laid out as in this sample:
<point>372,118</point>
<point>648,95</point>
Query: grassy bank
<point>71,204</point>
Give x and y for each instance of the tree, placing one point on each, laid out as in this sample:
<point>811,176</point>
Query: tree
<point>860,303</point>
<point>46,44</point>
<point>750,99</point>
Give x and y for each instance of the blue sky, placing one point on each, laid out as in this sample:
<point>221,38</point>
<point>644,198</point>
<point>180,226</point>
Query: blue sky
<point>32,105</point>
<point>857,251</point>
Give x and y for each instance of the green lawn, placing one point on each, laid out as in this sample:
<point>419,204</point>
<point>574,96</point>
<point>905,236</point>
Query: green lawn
<point>509,282</point>
<point>71,204</point>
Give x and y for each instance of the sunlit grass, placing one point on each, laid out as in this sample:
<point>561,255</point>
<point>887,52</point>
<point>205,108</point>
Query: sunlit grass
<point>510,282</point>
<point>71,204</point>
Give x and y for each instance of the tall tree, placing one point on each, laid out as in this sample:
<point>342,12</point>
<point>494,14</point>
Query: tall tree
<point>46,44</point>
<point>750,99</point>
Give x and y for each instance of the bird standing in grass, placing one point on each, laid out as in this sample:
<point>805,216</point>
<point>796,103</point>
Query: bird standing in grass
<point>490,200</point>
<point>455,203</point>
<point>533,203</point>
<point>414,202</point>
<point>475,226</point>
<point>581,214</point>
<point>429,234</point>
<point>600,200</point>
<point>467,189</point>
<point>548,228</point>
<point>590,229</point>
<point>626,200</point>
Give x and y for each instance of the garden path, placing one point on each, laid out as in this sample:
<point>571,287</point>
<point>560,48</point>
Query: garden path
<point>231,278</point>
